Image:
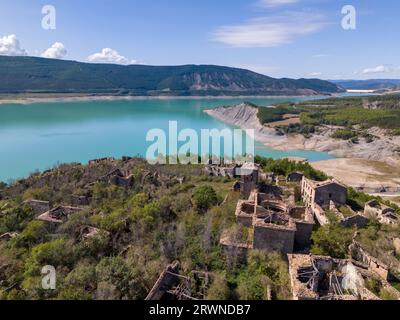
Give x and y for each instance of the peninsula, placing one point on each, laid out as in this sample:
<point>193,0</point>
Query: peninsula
<point>362,132</point>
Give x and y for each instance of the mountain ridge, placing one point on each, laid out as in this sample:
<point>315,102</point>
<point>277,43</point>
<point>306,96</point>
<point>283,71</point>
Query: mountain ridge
<point>40,75</point>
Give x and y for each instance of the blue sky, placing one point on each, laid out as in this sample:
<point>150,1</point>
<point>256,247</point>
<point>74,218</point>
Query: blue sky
<point>280,38</point>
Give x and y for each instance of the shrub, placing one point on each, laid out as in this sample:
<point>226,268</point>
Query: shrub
<point>204,197</point>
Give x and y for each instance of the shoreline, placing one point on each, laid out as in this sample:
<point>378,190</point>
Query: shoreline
<point>372,167</point>
<point>77,98</point>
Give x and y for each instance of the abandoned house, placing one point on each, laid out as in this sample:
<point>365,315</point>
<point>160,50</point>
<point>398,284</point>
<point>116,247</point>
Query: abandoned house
<point>323,193</point>
<point>295,177</point>
<point>171,285</point>
<point>275,225</point>
<point>249,176</point>
<point>221,170</point>
<point>57,215</point>
<point>384,214</point>
<point>325,278</point>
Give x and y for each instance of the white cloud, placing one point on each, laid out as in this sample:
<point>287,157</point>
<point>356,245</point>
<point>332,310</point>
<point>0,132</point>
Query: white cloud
<point>315,74</point>
<point>56,51</point>
<point>276,3</point>
<point>319,56</point>
<point>380,69</point>
<point>270,31</point>
<point>10,46</point>
<point>108,55</point>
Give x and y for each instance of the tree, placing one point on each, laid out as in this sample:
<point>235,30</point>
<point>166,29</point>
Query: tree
<point>204,197</point>
<point>332,240</point>
<point>34,233</point>
<point>266,277</point>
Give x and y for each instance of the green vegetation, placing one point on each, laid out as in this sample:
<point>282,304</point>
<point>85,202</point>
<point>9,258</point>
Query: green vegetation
<point>332,240</point>
<point>142,230</point>
<point>48,76</point>
<point>283,167</point>
<point>344,134</point>
<point>357,200</point>
<point>348,112</point>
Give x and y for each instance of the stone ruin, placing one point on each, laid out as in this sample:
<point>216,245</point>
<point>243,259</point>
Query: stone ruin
<point>329,195</point>
<point>57,216</point>
<point>367,261</point>
<point>247,174</point>
<point>275,225</point>
<point>383,213</point>
<point>171,285</point>
<point>325,278</point>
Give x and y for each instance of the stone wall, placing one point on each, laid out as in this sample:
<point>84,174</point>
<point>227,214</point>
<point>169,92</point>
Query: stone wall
<point>274,239</point>
<point>303,233</point>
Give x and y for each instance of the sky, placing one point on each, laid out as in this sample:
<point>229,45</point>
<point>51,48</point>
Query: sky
<point>279,38</point>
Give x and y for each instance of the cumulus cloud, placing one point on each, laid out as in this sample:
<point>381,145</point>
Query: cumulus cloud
<point>270,31</point>
<point>276,3</point>
<point>315,74</point>
<point>108,55</point>
<point>10,46</point>
<point>56,51</point>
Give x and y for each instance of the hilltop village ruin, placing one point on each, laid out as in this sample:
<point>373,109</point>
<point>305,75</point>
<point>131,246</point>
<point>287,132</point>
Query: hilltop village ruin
<point>279,214</point>
<point>278,223</point>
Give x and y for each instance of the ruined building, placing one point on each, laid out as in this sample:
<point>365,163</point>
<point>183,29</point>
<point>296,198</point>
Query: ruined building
<point>56,216</point>
<point>275,225</point>
<point>323,193</point>
<point>329,195</point>
<point>365,260</point>
<point>384,214</point>
<point>247,174</point>
<point>171,285</point>
<point>325,278</point>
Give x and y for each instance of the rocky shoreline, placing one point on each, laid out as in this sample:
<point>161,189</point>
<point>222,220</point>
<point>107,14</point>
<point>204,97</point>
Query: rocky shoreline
<point>375,160</point>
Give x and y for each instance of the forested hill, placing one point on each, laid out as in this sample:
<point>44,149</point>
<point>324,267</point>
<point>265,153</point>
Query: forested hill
<point>38,75</point>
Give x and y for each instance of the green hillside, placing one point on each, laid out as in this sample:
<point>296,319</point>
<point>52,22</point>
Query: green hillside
<point>38,75</point>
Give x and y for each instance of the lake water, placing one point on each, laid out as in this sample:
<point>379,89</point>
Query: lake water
<point>40,135</point>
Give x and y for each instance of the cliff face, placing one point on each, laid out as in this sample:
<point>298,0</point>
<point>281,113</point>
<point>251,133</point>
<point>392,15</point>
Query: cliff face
<point>384,148</point>
<point>31,74</point>
<point>244,116</point>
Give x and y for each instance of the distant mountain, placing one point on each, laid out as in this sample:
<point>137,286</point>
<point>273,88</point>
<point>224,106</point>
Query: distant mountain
<point>38,75</point>
<point>373,84</point>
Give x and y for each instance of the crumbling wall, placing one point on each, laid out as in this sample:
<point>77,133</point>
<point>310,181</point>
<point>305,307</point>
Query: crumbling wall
<point>303,233</point>
<point>274,239</point>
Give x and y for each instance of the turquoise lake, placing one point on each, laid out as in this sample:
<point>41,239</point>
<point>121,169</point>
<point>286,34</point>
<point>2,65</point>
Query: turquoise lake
<point>40,135</point>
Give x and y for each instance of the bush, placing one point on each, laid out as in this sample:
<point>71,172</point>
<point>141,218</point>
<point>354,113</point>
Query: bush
<point>204,197</point>
<point>219,289</point>
<point>332,240</point>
